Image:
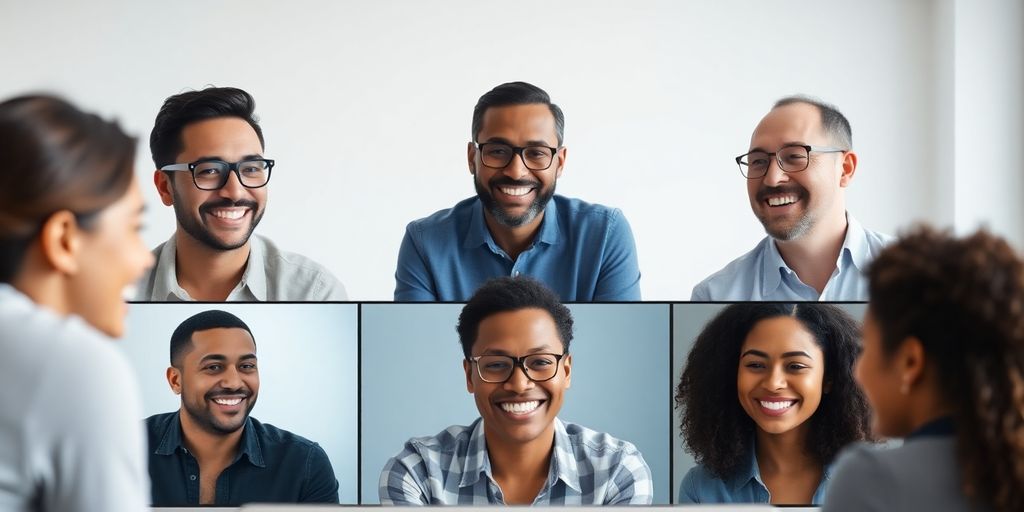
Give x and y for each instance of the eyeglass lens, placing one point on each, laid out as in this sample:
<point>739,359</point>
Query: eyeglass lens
<point>539,367</point>
<point>536,158</point>
<point>213,175</point>
<point>791,158</point>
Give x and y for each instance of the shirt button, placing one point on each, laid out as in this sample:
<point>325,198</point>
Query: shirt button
<point>192,477</point>
<point>515,273</point>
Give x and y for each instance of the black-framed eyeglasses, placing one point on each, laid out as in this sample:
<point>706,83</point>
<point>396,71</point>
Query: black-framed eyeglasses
<point>791,158</point>
<point>213,174</point>
<point>498,155</point>
<point>498,368</point>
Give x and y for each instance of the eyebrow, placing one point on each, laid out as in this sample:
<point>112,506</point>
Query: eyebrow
<point>535,350</point>
<point>250,156</point>
<point>502,140</point>
<point>795,353</point>
<point>222,357</point>
<point>784,144</point>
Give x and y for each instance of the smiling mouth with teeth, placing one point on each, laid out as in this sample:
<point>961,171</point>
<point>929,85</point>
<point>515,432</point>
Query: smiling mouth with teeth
<point>520,407</point>
<point>781,200</point>
<point>776,405</point>
<point>228,401</point>
<point>229,213</point>
<point>515,191</point>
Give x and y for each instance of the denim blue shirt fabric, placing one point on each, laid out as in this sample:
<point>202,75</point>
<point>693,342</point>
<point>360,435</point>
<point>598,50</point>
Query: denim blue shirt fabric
<point>745,486</point>
<point>272,466</point>
<point>762,275</point>
<point>583,252</point>
<point>453,468</point>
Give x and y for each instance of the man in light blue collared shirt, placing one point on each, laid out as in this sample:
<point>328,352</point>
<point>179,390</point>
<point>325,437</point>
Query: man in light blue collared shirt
<point>799,163</point>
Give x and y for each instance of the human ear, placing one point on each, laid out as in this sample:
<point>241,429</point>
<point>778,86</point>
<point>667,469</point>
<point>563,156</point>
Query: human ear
<point>174,379</point>
<point>560,155</point>
<point>911,364</point>
<point>467,366</point>
<point>60,241</point>
<point>849,165</point>
<point>567,365</point>
<point>471,157</point>
<point>164,187</point>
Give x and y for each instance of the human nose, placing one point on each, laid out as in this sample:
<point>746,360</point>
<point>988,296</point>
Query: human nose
<point>776,379</point>
<point>516,168</point>
<point>518,382</point>
<point>774,174</point>
<point>233,188</point>
<point>230,378</point>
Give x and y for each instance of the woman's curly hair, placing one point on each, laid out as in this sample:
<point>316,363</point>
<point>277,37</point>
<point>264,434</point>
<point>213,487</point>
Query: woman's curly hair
<point>716,429</point>
<point>964,300</point>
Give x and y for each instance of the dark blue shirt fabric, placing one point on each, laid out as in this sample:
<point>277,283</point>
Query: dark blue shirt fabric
<point>272,466</point>
<point>582,251</point>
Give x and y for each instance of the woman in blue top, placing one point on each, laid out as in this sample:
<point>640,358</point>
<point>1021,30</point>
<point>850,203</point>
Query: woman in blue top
<point>767,399</point>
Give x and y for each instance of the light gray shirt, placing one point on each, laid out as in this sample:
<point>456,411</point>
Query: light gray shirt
<point>270,275</point>
<point>920,475</point>
<point>762,274</point>
<point>71,435</point>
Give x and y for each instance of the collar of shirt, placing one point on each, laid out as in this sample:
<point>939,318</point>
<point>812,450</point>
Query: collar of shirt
<point>254,278</point>
<point>855,245</point>
<point>943,426</point>
<point>563,463</point>
<point>477,233</point>
<point>172,440</point>
<point>752,472</point>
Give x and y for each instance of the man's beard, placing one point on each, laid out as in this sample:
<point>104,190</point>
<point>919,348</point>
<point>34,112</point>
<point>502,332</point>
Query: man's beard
<point>204,417</point>
<point>198,231</point>
<point>797,229</point>
<point>536,207</point>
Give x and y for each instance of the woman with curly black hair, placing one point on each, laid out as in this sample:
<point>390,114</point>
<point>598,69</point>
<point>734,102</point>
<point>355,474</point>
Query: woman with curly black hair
<point>767,400</point>
<point>943,367</point>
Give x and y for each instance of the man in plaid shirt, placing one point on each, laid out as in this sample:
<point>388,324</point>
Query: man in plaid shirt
<point>515,335</point>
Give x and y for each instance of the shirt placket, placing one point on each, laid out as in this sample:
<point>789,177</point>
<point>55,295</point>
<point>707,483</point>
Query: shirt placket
<point>191,477</point>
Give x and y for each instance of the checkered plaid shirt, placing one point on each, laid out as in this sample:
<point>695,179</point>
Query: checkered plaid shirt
<point>452,468</point>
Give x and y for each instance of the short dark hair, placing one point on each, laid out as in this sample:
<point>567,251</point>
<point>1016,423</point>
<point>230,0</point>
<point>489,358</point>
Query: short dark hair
<point>189,107</point>
<point>833,122</point>
<point>963,298</point>
<point>714,425</point>
<point>503,294</point>
<point>56,157</point>
<point>516,93</point>
<point>181,339</point>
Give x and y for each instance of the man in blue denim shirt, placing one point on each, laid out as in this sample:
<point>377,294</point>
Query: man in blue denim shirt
<point>516,225</point>
<point>210,452</point>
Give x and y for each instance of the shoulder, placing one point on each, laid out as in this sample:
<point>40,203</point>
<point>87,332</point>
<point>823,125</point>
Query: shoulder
<point>280,437</point>
<point>300,272</point>
<point>700,485</point>
<point>577,209</point>
<point>736,273</point>
<point>453,440</point>
<point>598,443</point>
<point>445,220</point>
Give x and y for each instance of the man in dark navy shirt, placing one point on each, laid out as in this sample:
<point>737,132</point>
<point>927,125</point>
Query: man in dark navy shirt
<point>210,452</point>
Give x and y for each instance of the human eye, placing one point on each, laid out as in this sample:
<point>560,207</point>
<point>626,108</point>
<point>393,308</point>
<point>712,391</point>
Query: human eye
<point>537,153</point>
<point>796,367</point>
<point>498,150</point>
<point>248,366</point>
<point>540,362</point>
<point>754,365</point>
<point>208,169</point>
<point>213,368</point>
<point>496,365</point>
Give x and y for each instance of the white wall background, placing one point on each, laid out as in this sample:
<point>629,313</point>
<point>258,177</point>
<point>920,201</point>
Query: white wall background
<point>659,96</point>
<point>308,360</point>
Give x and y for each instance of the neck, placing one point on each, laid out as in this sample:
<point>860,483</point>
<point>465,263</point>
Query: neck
<point>208,446</point>
<point>786,452</point>
<point>43,285</point>
<point>513,240</point>
<point>208,274</point>
<point>813,256</point>
<point>925,404</point>
<point>522,460</point>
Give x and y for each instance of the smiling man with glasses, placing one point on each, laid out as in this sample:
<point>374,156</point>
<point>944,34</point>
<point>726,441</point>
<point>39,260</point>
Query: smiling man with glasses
<point>208,150</point>
<point>798,166</point>
<point>515,338</point>
<point>516,224</point>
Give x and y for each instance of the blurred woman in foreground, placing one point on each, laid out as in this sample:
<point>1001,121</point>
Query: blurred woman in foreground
<point>70,214</point>
<point>943,367</point>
